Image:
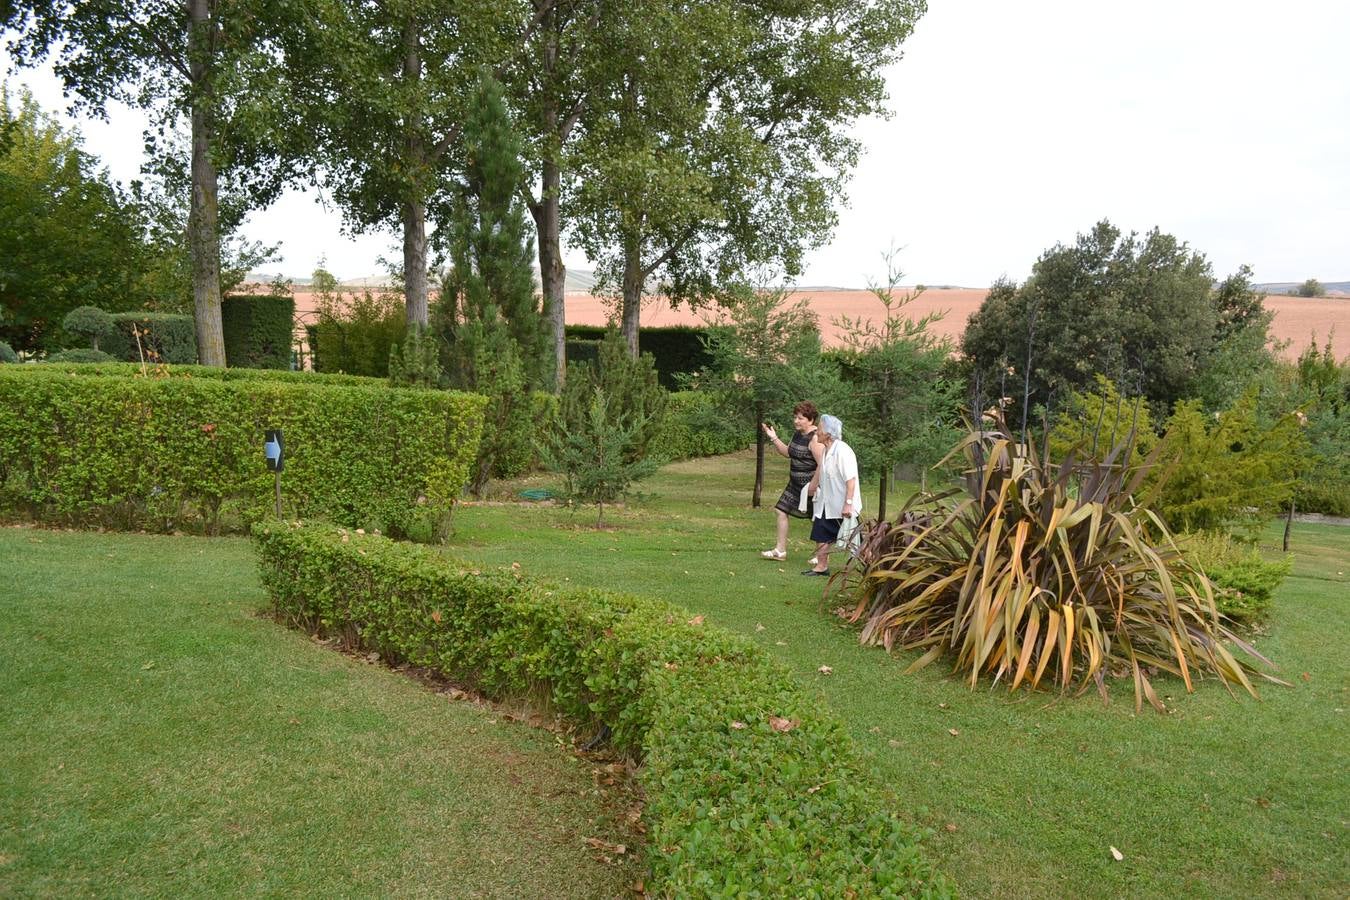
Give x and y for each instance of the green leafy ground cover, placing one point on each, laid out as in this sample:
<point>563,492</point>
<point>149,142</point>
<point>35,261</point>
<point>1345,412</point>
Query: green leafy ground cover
<point>158,738</point>
<point>1027,794</point>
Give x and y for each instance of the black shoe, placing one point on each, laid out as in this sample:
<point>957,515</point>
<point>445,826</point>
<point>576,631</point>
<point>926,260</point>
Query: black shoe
<point>817,574</point>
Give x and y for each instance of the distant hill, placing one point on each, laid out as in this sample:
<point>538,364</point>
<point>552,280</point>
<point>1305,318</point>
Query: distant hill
<point>1332,288</point>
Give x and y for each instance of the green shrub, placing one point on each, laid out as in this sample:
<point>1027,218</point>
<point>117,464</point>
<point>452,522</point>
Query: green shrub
<point>1326,496</point>
<point>78,355</point>
<point>633,394</point>
<point>355,334</point>
<point>519,456</point>
<point>90,323</point>
<point>7,354</point>
<point>184,452</point>
<point>216,373</point>
<point>258,330</point>
<point>593,455</point>
<point>752,788</point>
<point>1229,470</point>
<point>164,338</point>
<point>1243,581</point>
<point>1027,575</point>
<point>694,426</point>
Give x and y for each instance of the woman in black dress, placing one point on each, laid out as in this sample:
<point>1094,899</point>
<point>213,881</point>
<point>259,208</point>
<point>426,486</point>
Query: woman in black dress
<point>804,453</point>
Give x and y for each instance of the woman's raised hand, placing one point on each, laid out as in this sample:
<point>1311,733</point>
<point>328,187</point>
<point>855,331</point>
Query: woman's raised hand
<point>769,430</point>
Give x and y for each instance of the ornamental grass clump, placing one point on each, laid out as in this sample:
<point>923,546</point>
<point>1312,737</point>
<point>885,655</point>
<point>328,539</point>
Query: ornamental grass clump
<point>1037,574</point>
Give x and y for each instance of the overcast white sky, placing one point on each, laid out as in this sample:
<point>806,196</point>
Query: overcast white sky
<point>1018,125</point>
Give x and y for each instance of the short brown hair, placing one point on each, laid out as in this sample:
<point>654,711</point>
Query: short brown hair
<point>808,409</point>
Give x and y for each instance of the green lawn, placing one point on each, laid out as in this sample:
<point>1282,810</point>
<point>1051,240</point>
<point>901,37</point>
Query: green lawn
<point>159,738</point>
<point>1220,797</point>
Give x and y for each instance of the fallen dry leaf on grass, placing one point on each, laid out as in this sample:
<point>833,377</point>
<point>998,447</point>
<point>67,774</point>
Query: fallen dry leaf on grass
<point>953,732</point>
<point>739,726</point>
<point>696,620</point>
<point>825,670</point>
<point>1117,854</point>
<point>780,724</point>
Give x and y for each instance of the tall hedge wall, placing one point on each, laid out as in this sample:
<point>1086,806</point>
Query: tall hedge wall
<point>171,338</point>
<point>258,330</point>
<point>753,788</point>
<point>187,452</point>
<point>676,349</point>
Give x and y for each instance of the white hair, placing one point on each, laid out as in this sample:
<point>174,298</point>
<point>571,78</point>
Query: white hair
<point>832,426</point>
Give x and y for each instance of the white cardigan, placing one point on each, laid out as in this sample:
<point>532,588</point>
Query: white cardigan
<point>839,465</point>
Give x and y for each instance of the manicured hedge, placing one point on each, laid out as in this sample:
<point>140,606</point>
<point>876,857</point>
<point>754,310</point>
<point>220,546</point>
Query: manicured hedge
<point>677,349</point>
<point>258,330</point>
<point>735,805</point>
<point>165,337</point>
<point>163,453</point>
<point>216,373</point>
<point>694,427</point>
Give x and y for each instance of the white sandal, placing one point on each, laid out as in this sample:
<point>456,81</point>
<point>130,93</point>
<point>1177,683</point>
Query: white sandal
<point>775,554</point>
<point>811,562</point>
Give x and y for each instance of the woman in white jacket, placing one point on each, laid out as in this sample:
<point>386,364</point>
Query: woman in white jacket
<point>834,490</point>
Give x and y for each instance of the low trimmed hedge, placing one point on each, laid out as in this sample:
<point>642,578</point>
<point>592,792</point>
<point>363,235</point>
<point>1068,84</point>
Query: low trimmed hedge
<point>217,373</point>
<point>164,453</point>
<point>735,806</point>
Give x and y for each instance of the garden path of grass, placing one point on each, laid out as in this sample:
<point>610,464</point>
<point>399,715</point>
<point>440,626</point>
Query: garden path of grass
<point>157,737</point>
<point>1221,797</point>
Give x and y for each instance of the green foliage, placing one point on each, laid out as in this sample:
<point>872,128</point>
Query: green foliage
<point>677,350</point>
<point>418,362</point>
<point>490,247</point>
<point>88,322</point>
<point>1095,422</point>
<point>355,333</point>
<point>1144,312</point>
<point>7,354</point>
<point>695,425</point>
<point>745,774</point>
<point>1310,288</point>
<point>69,236</point>
<point>765,356</point>
<point>594,454</point>
<point>632,391</point>
<point>1029,575</point>
<point>164,453</point>
<point>507,429</point>
<point>530,425</point>
<point>1319,387</point>
<point>78,355</point>
<point>1244,582</point>
<point>258,330</point>
<point>1228,470</point>
<point>901,407</point>
<point>153,337</point>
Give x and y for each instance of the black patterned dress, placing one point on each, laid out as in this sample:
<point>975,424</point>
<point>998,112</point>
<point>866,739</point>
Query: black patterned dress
<point>803,466</point>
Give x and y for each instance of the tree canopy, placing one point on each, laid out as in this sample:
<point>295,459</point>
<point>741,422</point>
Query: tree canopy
<point>1145,312</point>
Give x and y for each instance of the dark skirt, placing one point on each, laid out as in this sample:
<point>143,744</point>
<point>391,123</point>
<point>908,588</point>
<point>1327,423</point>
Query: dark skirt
<point>825,531</point>
<point>791,496</point>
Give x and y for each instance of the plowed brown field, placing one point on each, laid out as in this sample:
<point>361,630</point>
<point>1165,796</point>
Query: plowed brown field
<point>1297,319</point>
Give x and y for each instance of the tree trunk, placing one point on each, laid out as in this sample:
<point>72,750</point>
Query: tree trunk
<point>1288,524</point>
<point>414,207</point>
<point>759,458</point>
<point>552,275</point>
<point>881,497</point>
<point>547,215</point>
<point>415,261</point>
<point>204,213</point>
<point>632,292</point>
